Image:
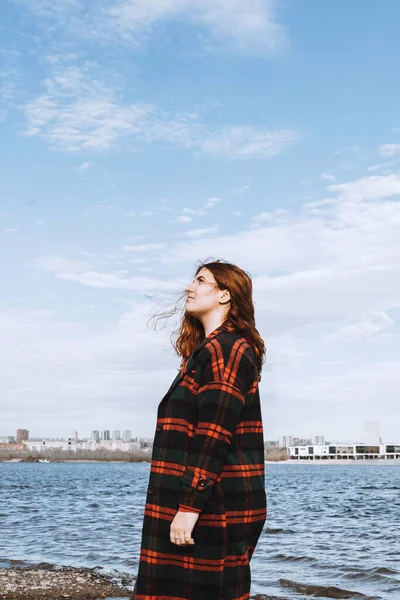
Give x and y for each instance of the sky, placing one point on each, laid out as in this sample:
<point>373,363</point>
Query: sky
<point>138,138</point>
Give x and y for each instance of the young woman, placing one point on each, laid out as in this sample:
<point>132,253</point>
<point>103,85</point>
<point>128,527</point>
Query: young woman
<point>206,503</point>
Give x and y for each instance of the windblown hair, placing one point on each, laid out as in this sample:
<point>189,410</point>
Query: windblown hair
<point>239,318</point>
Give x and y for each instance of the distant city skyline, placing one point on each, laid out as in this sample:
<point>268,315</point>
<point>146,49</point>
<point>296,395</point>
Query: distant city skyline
<point>371,436</point>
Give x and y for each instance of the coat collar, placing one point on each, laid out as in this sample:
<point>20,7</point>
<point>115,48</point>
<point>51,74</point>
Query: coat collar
<point>190,362</point>
<point>209,337</point>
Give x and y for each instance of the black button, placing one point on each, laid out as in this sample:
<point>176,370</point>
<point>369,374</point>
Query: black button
<point>202,482</point>
<point>159,427</point>
<point>150,490</point>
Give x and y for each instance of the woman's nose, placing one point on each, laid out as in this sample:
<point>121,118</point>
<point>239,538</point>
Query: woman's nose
<point>189,288</point>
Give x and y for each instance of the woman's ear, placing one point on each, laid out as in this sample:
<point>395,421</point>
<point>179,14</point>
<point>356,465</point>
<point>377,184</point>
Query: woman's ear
<point>225,297</point>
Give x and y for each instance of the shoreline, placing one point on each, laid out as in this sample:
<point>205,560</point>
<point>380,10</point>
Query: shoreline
<point>50,582</point>
<point>334,461</point>
<point>45,581</point>
<point>331,461</point>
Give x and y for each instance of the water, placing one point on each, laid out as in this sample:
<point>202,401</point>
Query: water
<point>327,525</point>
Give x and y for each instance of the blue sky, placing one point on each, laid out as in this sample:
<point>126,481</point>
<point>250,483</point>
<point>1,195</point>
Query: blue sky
<point>136,139</point>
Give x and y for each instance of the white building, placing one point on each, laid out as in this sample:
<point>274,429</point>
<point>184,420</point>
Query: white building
<point>318,440</point>
<point>7,439</point>
<point>344,452</point>
<point>41,445</point>
<point>72,446</point>
<point>105,435</point>
<point>127,435</point>
<point>372,433</point>
<point>116,435</point>
<point>287,440</point>
<point>95,435</point>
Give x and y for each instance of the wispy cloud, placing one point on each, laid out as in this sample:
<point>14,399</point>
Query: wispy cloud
<point>83,366</point>
<point>79,111</point>
<point>204,232</point>
<point>372,325</point>
<point>8,84</point>
<point>249,27</point>
<point>210,202</point>
<point>370,188</point>
<point>144,247</point>
<point>389,150</point>
<point>245,142</point>
<point>81,272</point>
<point>327,177</point>
<point>196,212</point>
<point>85,165</point>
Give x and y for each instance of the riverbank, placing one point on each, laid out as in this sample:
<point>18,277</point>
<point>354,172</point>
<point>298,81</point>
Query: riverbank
<point>49,582</point>
<point>332,462</point>
<point>337,461</point>
<point>146,459</point>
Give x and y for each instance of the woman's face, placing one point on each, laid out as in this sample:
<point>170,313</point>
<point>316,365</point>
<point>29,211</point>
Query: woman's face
<point>204,296</point>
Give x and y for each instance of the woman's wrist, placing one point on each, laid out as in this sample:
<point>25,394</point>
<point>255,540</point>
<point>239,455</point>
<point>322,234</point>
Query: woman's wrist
<point>184,508</point>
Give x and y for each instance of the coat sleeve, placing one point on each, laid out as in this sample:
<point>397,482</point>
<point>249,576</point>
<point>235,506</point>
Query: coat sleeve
<point>225,377</point>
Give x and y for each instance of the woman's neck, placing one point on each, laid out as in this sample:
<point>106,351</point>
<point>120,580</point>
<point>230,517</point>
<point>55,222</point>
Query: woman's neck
<point>212,322</point>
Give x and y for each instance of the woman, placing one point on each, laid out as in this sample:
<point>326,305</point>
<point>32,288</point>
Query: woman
<point>206,504</point>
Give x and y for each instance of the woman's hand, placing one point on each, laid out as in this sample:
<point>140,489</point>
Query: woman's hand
<point>182,527</point>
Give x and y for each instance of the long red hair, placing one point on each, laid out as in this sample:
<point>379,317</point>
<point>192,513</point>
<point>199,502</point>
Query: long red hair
<point>240,316</point>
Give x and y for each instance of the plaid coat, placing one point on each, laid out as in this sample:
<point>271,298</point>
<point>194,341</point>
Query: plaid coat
<point>208,456</point>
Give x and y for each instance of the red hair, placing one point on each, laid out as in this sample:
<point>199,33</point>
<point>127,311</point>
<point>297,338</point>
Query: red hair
<point>240,317</point>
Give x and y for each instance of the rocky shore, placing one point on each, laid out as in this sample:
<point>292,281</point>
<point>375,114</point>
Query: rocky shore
<point>48,582</point>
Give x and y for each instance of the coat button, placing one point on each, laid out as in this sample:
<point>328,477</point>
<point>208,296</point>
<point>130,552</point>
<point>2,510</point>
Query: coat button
<point>150,490</point>
<point>202,482</point>
<point>159,427</point>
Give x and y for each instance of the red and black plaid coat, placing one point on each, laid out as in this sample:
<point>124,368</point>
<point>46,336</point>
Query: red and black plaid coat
<point>208,455</point>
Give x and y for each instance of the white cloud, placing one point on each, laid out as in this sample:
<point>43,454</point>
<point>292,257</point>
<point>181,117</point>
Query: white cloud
<point>78,111</point>
<point>327,293</point>
<point>389,150</point>
<point>224,24</point>
<point>370,188</point>
<point>85,165</point>
<point>81,272</point>
<point>371,326</point>
<point>10,230</point>
<point>210,202</point>
<point>195,233</point>
<point>340,265</point>
<point>52,10</point>
<point>245,142</point>
<point>269,217</point>
<point>57,374</point>
<point>9,79</point>
<point>144,247</point>
<point>327,177</point>
<point>184,219</point>
<point>197,212</point>
<point>380,166</point>
<point>247,27</point>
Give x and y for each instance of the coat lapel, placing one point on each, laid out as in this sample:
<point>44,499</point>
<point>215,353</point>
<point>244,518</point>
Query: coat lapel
<point>190,363</point>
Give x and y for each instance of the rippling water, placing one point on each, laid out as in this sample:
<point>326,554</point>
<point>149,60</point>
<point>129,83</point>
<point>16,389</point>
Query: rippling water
<point>328,526</point>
